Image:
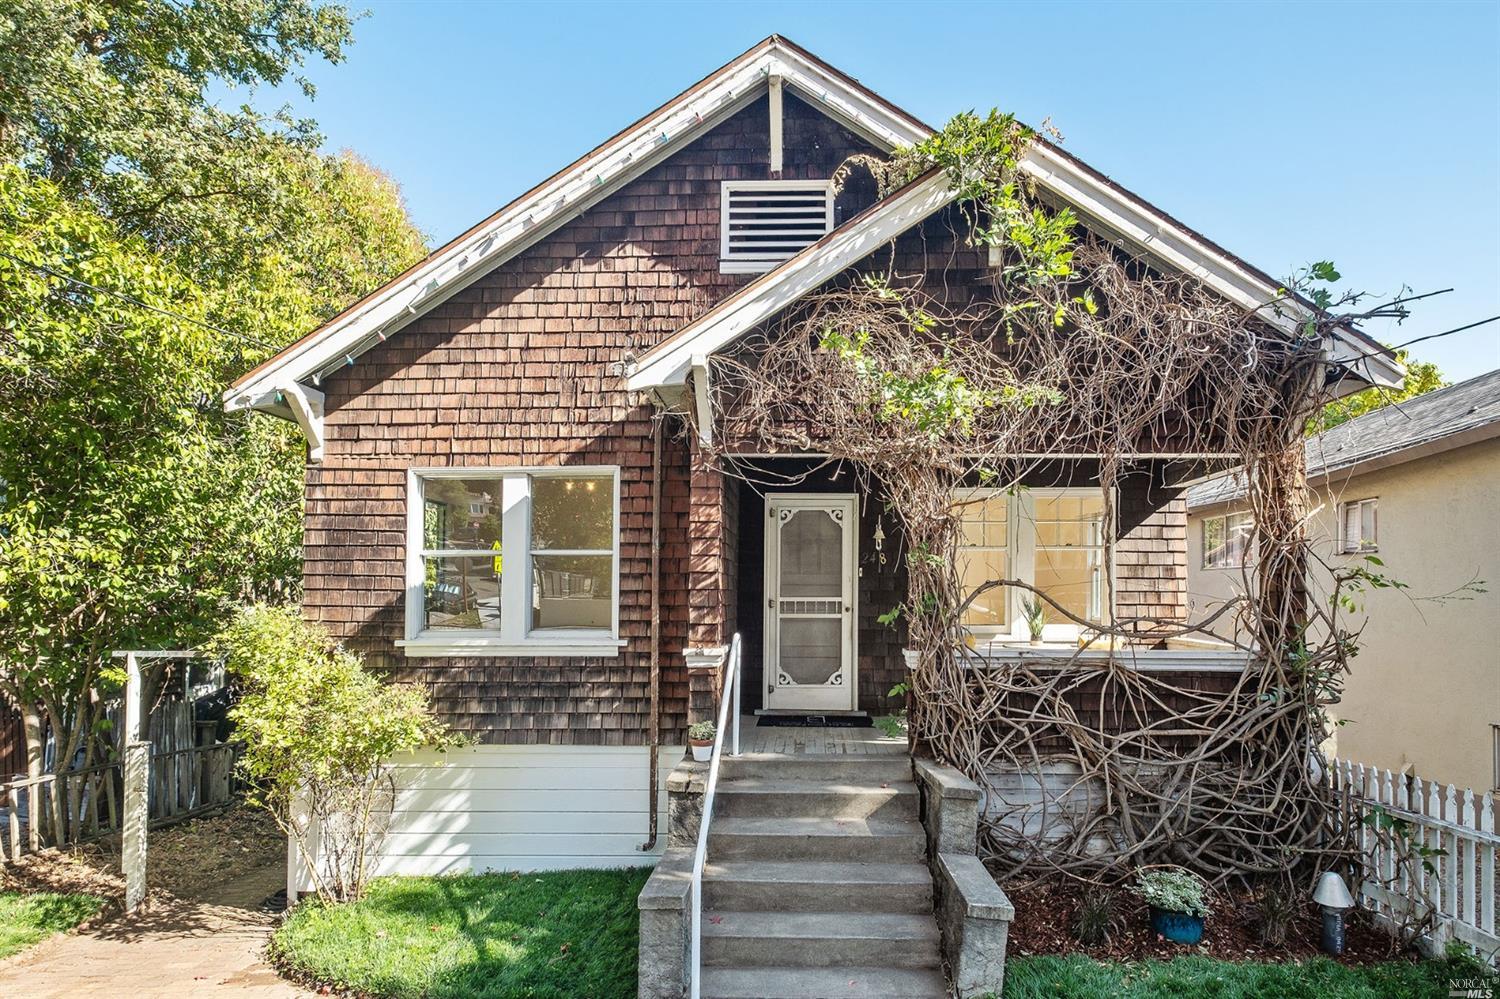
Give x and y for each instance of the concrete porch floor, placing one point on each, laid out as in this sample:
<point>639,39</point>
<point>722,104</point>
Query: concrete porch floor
<point>790,740</point>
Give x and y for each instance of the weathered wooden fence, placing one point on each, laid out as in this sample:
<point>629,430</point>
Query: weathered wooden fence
<point>66,808</point>
<point>12,741</point>
<point>1430,854</point>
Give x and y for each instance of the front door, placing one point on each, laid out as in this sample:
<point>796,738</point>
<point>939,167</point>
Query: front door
<point>810,560</point>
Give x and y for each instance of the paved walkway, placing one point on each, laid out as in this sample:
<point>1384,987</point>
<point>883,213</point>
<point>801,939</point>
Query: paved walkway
<point>173,950</point>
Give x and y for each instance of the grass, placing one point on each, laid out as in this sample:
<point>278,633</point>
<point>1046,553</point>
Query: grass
<point>1077,977</point>
<point>26,919</point>
<point>558,933</point>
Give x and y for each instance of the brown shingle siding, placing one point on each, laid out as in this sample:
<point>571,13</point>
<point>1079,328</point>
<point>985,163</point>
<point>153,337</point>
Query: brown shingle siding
<point>519,368</point>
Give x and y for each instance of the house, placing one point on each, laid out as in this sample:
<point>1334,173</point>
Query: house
<point>515,498</point>
<point>1416,485</point>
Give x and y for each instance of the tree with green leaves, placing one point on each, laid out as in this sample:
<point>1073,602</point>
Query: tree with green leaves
<point>125,488</point>
<point>1421,377</point>
<point>154,244</point>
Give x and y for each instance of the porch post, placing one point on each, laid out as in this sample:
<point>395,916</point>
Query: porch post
<point>713,517</point>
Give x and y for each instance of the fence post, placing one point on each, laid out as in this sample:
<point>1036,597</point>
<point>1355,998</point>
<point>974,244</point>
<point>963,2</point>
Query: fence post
<point>133,839</point>
<point>1487,865</point>
<point>137,779</point>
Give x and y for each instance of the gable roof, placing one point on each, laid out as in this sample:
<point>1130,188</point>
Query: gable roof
<point>1441,420</point>
<point>1107,208</point>
<point>567,194</point>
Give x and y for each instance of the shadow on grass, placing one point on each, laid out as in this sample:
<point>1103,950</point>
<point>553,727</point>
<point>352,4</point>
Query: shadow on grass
<point>558,933</point>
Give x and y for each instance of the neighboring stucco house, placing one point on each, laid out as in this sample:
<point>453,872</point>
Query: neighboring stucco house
<point>1418,486</point>
<point>505,504</point>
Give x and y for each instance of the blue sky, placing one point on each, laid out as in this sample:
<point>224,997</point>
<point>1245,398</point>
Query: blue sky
<point>1365,133</point>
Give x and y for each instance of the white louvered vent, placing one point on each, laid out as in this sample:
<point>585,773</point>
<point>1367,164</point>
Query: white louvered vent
<point>762,222</point>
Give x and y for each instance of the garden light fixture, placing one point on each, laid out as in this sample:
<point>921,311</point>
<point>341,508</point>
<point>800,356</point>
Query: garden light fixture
<point>1333,897</point>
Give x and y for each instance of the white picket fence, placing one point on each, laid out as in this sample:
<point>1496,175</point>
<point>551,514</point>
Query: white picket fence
<point>1457,827</point>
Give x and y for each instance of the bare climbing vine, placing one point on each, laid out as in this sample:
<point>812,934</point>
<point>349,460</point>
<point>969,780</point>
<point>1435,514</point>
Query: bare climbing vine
<point>1071,346</point>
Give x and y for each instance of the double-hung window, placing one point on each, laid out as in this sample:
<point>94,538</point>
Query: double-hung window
<point>1359,526</point>
<point>1053,539</point>
<point>1227,540</point>
<point>513,562</point>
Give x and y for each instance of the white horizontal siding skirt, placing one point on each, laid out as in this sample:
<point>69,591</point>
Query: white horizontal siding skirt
<point>522,808</point>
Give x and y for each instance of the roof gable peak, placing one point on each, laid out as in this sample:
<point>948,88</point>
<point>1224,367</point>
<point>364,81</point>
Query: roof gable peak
<point>566,195</point>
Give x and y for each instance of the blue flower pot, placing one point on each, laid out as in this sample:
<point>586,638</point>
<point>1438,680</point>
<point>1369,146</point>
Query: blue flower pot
<point>1179,927</point>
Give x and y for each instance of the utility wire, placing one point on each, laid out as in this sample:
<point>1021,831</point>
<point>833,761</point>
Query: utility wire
<point>44,269</point>
<point>1456,329</point>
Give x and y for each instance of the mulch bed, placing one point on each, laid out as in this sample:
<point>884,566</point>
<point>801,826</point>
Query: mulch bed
<point>1047,917</point>
<point>181,860</point>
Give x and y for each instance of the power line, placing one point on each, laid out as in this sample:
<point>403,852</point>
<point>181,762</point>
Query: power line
<point>44,269</point>
<point>1456,329</point>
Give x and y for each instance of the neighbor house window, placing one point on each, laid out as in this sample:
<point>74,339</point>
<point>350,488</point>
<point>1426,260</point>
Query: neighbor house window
<point>1053,539</point>
<point>1226,540</point>
<point>1360,526</point>
<point>763,222</point>
<point>513,562</point>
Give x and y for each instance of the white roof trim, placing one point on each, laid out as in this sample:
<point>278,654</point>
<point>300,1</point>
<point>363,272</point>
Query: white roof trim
<point>1106,207</point>
<point>567,196</point>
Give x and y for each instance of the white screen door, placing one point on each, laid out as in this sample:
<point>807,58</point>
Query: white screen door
<point>810,560</point>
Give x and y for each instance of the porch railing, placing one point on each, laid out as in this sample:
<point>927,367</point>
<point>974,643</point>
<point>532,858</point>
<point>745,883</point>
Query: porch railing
<point>729,699</point>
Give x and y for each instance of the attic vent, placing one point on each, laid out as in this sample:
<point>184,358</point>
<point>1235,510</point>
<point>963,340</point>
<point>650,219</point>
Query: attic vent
<point>763,222</point>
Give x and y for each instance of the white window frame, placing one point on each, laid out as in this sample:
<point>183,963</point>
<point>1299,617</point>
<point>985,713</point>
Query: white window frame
<point>742,263</point>
<point>1021,539</point>
<point>1356,546</point>
<point>1247,552</point>
<point>516,637</point>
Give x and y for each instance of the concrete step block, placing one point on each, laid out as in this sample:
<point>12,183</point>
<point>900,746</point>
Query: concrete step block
<point>772,982</point>
<point>816,886</point>
<point>787,838</point>
<point>820,939</point>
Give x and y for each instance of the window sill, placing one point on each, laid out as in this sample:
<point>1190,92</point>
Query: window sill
<point>431,645</point>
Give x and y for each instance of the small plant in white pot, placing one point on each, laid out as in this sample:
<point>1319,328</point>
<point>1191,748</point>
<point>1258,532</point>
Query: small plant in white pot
<point>701,739</point>
<point>1178,899</point>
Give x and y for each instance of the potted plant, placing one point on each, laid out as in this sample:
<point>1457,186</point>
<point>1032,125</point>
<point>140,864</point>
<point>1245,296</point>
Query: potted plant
<point>701,738</point>
<point>1035,615</point>
<point>1178,900</point>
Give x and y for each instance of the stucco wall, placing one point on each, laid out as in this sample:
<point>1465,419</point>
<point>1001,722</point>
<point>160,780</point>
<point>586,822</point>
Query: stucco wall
<point>1425,687</point>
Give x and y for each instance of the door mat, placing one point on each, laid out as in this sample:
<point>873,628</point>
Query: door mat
<point>814,721</point>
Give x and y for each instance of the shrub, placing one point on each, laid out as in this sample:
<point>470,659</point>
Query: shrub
<point>319,729</point>
<point>1174,889</point>
<point>1097,917</point>
<point>1278,909</point>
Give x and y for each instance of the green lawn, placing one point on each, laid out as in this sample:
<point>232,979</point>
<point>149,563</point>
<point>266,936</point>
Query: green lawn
<point>26,919</point>
<point>1193,977</point>
<point>560,933</point>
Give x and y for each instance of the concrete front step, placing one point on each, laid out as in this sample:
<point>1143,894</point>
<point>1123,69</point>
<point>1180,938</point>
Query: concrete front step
<point>764,797</point>
<point>780,838</point>
<point>816,886</point>
<point>820,939</point>
<point>835,767</point>
<point>823,983</point>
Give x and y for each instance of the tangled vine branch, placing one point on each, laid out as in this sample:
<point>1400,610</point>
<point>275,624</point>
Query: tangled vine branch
<point>929,383</point>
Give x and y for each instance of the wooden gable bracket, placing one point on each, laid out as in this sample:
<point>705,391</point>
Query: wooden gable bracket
<point>306,405</point>
<point>776,149</point>
<point>702,399</point>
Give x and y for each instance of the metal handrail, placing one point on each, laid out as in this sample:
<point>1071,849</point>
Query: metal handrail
<point>730,697</point>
